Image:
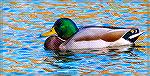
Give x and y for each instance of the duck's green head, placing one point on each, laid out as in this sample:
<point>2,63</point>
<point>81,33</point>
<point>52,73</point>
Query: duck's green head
<point>64,28</point>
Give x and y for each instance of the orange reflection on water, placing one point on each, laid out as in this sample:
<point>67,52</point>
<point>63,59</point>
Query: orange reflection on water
<point>87,16</point>
<point>133,18</point>
<point>35,61</point>
<point>12,60</point>
<point>24,66</point>
<point>116,14</point>
<point>9,70</point>
<point>33,15</point>
<point>45,13</point>
<point>147,5</point>
<point>17,28</point>
<point>13,3</point>
<point>147,22</point>
<point>48,70</point>
<point>140,12</point>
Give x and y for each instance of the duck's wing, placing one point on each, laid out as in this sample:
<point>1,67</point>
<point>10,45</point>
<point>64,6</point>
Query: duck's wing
<point>107,35</point>
<point>112,36</point>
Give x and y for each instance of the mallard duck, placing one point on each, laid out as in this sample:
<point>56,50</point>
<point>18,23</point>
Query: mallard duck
<point>66,35</point>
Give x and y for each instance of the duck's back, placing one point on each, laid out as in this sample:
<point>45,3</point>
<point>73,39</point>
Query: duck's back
<point>90,32</point>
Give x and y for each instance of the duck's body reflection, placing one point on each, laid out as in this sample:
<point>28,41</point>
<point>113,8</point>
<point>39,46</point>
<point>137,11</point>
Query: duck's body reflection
<point>72,55</point>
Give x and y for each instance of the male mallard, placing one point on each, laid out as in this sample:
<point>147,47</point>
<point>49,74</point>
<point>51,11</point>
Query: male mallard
<point>68,36</point>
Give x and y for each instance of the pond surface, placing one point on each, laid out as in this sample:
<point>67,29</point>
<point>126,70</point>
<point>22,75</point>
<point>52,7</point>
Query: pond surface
<point>23,53</point>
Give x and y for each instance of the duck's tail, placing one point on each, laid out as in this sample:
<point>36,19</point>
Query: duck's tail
<point>132,35</point>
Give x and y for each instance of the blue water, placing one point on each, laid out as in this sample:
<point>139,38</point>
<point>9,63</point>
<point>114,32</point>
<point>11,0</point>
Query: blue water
<point>23,53</point>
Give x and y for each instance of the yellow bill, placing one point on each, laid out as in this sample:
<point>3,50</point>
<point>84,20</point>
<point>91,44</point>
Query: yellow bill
<point>49,33</point>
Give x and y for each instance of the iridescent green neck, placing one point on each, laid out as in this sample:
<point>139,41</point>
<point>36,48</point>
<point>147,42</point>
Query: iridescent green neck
<point>65,28</point>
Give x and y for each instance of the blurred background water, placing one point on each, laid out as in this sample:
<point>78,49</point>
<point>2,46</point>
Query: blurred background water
<point>23,53</point>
